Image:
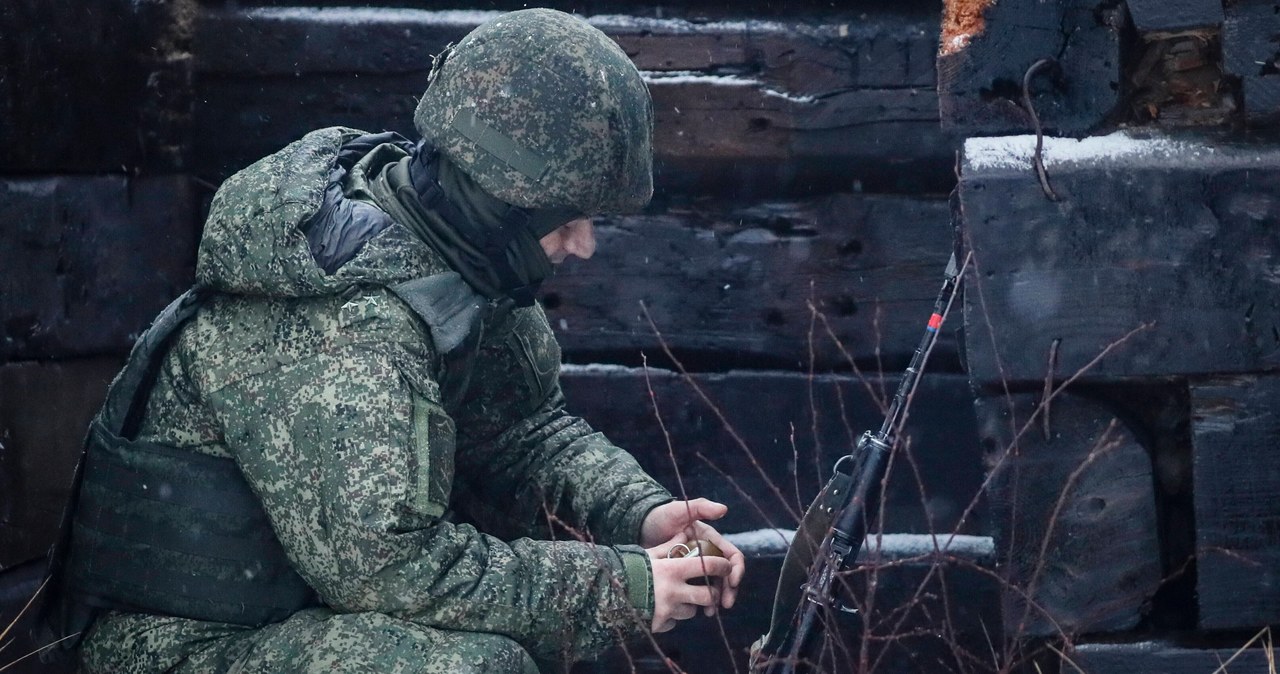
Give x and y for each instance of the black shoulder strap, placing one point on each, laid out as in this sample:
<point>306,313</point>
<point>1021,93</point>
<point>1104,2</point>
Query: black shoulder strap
<point>127,397</point>
<point>446,303</point>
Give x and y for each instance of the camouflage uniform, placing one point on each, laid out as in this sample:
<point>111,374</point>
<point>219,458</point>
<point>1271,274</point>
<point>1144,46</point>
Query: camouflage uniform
<point>328,393</point>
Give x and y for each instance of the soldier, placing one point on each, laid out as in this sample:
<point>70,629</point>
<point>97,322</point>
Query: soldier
<point>346,449</point>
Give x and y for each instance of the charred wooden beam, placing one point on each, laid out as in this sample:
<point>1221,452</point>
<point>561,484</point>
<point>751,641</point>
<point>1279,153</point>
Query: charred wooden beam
<point>793,429</point>
<point>93,259</point>
<point>95,88</point>
<point>1174,15</point>
<point>88,262</point>
<point>1154,657</point>
<point>1251,48</point>
<point>748,107</point>
<point>1074,515</point>
<point>44,411</point>
<point>1236,444</point>
<point>988,47</point>
<point>1177,79</point>
<point>734,283</point>
<point>1159,253</point>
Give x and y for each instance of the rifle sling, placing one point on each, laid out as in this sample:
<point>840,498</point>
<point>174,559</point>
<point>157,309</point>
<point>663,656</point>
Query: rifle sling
<point>795,568</point>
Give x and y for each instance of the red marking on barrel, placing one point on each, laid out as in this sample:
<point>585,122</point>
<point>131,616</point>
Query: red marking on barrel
<point>935,321</point>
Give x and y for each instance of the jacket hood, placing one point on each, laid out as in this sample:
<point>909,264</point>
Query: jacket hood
<point>253,241</point>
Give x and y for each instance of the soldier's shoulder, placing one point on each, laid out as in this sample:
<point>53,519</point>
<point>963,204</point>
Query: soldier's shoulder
<point>233,338</point>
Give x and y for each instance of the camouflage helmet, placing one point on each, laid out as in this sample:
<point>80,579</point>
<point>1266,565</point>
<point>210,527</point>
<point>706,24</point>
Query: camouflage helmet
<point>543,111</point>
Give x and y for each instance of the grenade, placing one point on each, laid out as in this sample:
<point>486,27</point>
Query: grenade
<point>698,548</point>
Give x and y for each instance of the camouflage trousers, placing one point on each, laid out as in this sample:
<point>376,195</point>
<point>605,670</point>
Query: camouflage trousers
<point>310,641</point>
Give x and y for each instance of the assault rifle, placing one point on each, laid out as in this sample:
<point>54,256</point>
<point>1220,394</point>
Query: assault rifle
<point>835,525</point>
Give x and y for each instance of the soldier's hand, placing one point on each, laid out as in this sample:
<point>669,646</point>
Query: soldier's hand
<point>675,598</point>
<point>681,522</point>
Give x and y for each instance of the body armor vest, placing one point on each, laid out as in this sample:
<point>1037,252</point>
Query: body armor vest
<point>166,530</point>
<point>160,529</point>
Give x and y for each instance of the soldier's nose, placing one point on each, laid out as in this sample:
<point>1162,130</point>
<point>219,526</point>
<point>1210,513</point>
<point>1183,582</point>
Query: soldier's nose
<point>580,239</point>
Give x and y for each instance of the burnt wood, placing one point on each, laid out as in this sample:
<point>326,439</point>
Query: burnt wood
<point>1073,514</point>
<point>730,285</point>
<point>1251,51</point>
<point>88,262</point>
<point>96,87</point>
<point>981,66</point>
<point>1174,15</point>
<point>1173,234</point>
<point>44,411</point>
<point>794,429</point>
<point>693,10</point>
<point>1177,80</point>
<point>1150,657</point>
<point>1236,444</point>
<point>748,107</point>
<point>92,260</point>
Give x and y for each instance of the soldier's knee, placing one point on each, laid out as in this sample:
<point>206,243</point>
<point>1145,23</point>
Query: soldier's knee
<point>480,652</point>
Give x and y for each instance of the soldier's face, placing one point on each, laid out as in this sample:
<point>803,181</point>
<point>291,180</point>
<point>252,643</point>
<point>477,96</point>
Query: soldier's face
<point>576,237</point>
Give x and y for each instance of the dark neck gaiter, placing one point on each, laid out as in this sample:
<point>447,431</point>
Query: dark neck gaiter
<point>493,245</point>
<point>506,236</point>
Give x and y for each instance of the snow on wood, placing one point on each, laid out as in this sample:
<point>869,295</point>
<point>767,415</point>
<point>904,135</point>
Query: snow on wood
<point>1162,657</point>
<point>371,15</point>
<point>1017,152</point>
<point>882,548</point>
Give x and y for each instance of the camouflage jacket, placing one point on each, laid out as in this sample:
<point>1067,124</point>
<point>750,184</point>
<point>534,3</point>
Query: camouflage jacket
<point>327,391</point>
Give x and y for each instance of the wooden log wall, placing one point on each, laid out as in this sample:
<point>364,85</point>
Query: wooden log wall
<point>988,48</point>
<point>1172,240</point>
<point>803,157</point>
<point>789,260</point>
<point>1237,476</point>
<point>753,108</point>
<point>1074,511</point>
<point>1122,320</point>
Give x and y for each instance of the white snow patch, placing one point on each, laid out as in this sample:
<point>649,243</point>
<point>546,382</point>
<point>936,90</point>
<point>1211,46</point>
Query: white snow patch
<point>608,22</point>
<point>372,15</point>
<point>957,43</point>
<point>762,540</point>
<point>790,97</point>
<point>35,188</point>
<point>694,77</point>
<point>605,22</point>
<point>899,546</point>
<point>754,235</point>
<point>1018,151</point>
<point>890,546</point>
<point>607,368</point>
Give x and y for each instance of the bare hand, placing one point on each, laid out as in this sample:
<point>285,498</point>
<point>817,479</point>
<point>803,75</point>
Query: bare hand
<point>681,522</point>
<point>674,597</point>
